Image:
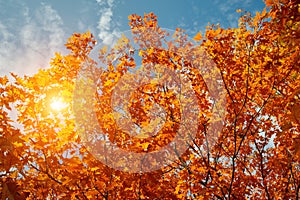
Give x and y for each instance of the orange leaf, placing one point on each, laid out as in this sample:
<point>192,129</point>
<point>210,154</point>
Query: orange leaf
<point>198,37</point>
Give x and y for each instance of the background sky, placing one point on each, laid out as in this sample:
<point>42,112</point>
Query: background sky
<point>31,30</point>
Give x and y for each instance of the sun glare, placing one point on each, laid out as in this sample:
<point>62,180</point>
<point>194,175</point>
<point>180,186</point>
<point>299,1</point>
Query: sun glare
<point>58,104</point>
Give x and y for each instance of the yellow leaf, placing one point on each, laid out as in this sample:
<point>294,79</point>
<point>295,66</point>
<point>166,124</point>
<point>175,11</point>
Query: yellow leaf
<point>140,53</point>
<point>17,144</point>
<point>94,169</point>
<point>150,51</point>
<point>145,146</point>
<point>14,174</point>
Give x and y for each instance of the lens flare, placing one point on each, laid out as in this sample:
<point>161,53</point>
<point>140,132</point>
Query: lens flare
<point>58,104</point>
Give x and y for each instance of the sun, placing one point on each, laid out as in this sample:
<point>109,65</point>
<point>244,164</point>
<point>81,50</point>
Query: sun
<point>58,104</point>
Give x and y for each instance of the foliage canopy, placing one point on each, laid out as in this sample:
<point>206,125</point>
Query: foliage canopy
<point>255,156</point>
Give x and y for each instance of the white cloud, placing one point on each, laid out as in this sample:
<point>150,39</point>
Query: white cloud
<point>225,7</point>
<point>28,44</point>
<point>6,36</point>
<point>105,19</point>
<point>106,32</point>
<point>100,2</point>
<point>53,23</point>
<point>110,3</point>
<point>81,26</point>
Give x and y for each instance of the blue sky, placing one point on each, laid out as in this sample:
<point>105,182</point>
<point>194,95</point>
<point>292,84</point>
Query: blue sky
<point>31,31</point>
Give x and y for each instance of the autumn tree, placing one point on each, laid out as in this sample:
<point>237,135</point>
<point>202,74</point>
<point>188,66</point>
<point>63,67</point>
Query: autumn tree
<point>257,154</point>
<point>245,143</point>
